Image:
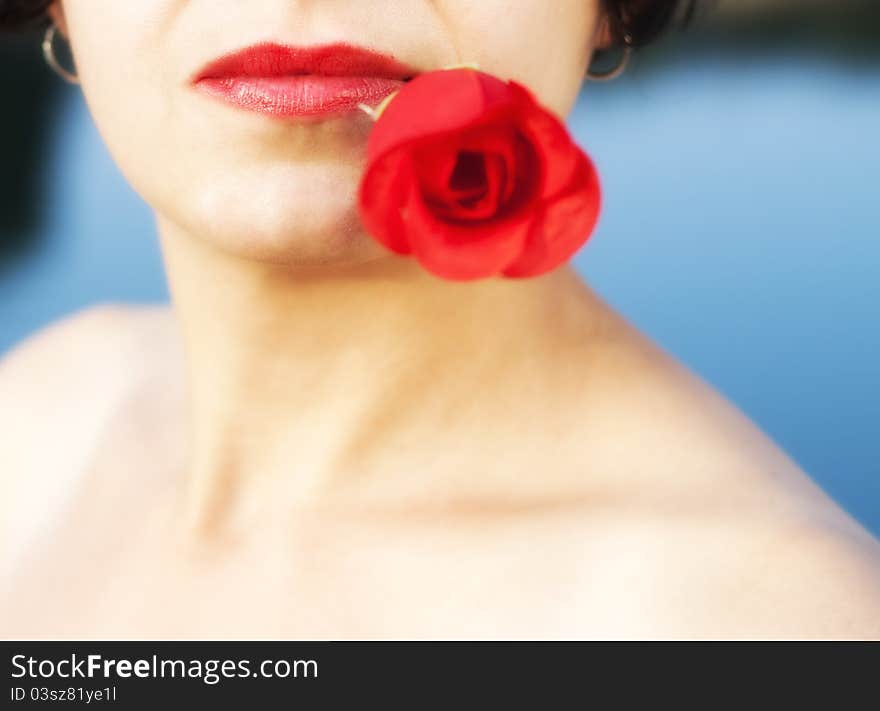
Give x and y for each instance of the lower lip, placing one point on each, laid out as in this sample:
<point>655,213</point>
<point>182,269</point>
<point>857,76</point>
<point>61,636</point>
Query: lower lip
<point>301,95</point>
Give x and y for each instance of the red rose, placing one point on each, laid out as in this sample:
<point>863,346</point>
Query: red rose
<point>474,178</point>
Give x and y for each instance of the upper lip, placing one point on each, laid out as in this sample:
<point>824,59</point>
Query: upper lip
<point>271,59</point>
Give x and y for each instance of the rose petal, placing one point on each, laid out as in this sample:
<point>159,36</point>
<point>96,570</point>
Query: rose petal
<point>458,251</point>
<point>543,129</point>
<point>501,152</point>
<point>565,225</point>
<point>443,101</point>
<point>490,164</point>
<point>379,208</point>
<point>474,189</point>
<point>434,163</point>
<point>510,168</point>
<point>484,203</point>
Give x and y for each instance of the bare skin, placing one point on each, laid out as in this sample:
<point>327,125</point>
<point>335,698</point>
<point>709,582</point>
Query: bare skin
<point>597,490</point>
<point>322,441</point>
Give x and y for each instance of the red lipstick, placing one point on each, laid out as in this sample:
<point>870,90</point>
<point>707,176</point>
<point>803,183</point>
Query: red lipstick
<point>287,82</point>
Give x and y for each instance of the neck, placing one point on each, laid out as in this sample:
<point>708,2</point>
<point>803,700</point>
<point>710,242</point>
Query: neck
<point>301,378</point>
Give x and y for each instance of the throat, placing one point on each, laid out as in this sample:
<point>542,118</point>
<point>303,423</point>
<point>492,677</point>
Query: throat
<point>304,386</point>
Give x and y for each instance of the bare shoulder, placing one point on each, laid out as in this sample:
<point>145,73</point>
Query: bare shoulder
<point>71,356</point>
<point>744,575</point>
<point>806,577</point>
<point>58,388</point>
<point>88,327</point>
<point>730,536</point>
<point>57,365</point>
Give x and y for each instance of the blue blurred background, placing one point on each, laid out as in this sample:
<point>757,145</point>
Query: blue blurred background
<point>741,228</point>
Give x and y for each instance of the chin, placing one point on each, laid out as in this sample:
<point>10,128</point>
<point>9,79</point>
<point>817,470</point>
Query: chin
<point>294,216</point>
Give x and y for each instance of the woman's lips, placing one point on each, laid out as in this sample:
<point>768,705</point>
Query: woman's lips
<point>308,95</point>
<point>286,82</point>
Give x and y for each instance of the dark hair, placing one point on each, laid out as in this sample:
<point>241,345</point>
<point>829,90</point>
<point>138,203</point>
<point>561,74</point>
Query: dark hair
<point>15,14</point>
<point>638,22</point>
<point>635,22</point>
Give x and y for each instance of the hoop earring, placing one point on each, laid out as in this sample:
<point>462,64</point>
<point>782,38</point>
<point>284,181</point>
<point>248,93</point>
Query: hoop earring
<point>51,60</point>
<point>617,70</point>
